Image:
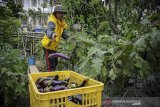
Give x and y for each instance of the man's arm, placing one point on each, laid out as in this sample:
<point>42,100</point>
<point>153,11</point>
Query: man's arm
<point>50,30</point>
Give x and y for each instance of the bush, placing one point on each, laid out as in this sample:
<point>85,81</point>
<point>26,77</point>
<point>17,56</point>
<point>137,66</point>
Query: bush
<point>13,68</point>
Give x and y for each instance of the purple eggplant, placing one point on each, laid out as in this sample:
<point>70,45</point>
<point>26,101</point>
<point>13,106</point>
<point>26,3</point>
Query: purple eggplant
<point>83,83</point>
<point>78,98</point>
<point>70,98</point>
<point>59,55</point>
<point>56,77</point>
<point>60,82</point>
<point>65,88</point>
<point>46,83</point>
<point>38,86</point>
<point>39,80</point>
<point>58,87</point>
<point>41,90</point>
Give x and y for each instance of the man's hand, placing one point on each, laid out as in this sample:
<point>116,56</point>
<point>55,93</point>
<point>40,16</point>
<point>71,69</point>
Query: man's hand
<point>54,36</point>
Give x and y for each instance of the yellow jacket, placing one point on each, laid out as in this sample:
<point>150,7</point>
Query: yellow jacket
<point>52,44</point>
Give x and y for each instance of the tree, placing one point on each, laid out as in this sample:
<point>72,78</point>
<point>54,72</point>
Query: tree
<point>90,14</point>
<point>16,8</point>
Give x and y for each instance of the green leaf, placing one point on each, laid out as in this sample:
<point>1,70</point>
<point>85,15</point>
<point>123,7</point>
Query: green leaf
<point>117,54</point>
<point>101,53</point>
<point>138,63</point>
<point>23,83</point>
<point>92,50</point>
<point>87,40</point>
<point>140,44</point>
<point>103,38</point>
<point>145,69</point>
<point>104,73</point>
<point>145,21</point>
<point>83,64</point>
<point>3,71</point>
<point>10,84</point>
<point>112,74</point>
<point>9,73</point>
<point>111,50</point>
<point>97,64</point>
<point>127,72</point>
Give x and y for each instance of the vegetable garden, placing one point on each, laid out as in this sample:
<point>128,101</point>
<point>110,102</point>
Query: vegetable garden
<point>117,44</point>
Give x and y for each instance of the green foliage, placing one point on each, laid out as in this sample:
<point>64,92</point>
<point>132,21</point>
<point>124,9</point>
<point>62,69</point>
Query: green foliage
<point>12,74</point>
<point>90,14</point>
<point>5,13</point>
<point>39,51</point>
<point>9,26</point>
<point>33,14</point>
<point>109,58</point>
<point>15,8</point>
<point>117,56</point>
<point>13,69</point>
<point>114,44</point>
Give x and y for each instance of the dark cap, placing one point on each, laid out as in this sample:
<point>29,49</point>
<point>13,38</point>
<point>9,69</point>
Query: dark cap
<point>59,8</point>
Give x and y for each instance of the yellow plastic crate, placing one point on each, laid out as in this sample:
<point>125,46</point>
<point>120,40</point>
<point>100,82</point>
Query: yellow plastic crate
<point>91,93</point>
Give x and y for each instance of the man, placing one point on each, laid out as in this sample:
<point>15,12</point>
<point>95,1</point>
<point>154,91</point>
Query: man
<point>56,29</point>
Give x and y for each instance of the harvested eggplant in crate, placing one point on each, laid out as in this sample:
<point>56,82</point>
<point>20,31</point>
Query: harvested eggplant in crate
<point>64,89</point>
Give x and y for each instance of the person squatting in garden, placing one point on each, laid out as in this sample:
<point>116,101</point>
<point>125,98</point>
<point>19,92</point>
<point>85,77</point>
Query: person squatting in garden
<point>56,28</point>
